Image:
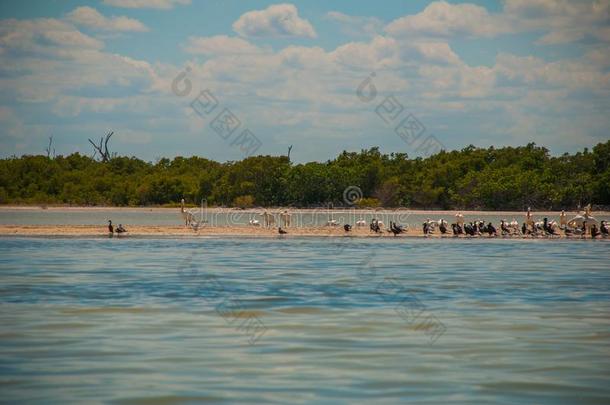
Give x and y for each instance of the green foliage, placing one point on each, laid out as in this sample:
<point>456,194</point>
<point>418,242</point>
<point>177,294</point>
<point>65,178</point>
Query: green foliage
<point>244,201</point>
<point>506,178</point>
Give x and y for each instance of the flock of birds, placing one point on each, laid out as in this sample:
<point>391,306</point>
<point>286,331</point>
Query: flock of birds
<point>581,225</point>
<point>578,226</point>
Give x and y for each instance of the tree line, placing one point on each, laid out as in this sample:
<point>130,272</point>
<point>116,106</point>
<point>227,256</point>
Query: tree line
<point>472,178</point>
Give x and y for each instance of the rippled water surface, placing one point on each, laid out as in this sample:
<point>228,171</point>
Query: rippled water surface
<point>139,216</point>
<point>304,320</point>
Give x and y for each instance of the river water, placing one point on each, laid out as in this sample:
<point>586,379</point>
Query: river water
<point>304,320</point>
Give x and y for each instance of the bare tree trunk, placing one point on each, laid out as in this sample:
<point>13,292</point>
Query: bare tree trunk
<point>50,148</point>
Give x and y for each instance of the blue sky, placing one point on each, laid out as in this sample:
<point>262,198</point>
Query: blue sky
<point>476,72</point>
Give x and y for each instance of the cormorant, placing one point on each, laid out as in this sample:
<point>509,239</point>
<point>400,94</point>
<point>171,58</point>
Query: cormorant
<point>443,228</point>
<point>110,227</point>
<point>594,232</point>
<point>395,229</point>
<point>347,227</point>
<point>281,231</point>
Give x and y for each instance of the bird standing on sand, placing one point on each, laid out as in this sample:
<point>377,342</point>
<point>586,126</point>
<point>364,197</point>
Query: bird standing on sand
<point>443,227</point>
<point>347,227</point>
<point>110,227</point>
<point>281,231</point>
<point>594,232</point>
<point>120,229</point>
<point>604,228</point>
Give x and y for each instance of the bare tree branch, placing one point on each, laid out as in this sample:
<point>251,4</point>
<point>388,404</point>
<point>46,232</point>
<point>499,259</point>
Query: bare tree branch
<point>102,148</point>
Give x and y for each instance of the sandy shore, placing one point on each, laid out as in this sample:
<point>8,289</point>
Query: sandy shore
<point>182,231</point>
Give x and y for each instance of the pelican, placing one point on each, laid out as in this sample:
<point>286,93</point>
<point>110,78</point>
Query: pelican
<point>582,221</point>
<point>360,223</point>
<point>189,218</point>
<point>459,219</point>
<point>528,217</point>
<point>443,226</point>
<point>563,221</point>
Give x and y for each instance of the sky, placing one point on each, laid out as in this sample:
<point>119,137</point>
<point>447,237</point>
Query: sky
<point>227,79</point>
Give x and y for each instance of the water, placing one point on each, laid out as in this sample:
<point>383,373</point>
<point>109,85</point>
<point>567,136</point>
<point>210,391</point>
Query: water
<point>304,320</point>
<point>159,217</point>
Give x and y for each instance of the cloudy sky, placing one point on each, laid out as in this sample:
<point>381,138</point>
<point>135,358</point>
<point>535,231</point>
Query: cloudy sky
<point>477,72</point>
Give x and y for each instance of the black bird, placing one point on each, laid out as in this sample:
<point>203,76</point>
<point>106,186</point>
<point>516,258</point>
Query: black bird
<point>375,226</point>
<point>469,229</point>
<point>604,228</point>
<point>120,229</point>
<point>396,229</point>
<point>594,232</point>
<point>110,227</point>
<point>281,231</point>
<point>347,227</point>
<point>443,228</point>
<point>524,229</point>
<point>546,227</point>
<point>426,228</point>
<point>454,228</point>
<point>491,230</point>
<point>504,228</point>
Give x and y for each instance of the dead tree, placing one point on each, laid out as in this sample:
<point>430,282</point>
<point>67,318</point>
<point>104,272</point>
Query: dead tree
<point>102,148</point>
<point>50,148</point>
<point>289,149</point>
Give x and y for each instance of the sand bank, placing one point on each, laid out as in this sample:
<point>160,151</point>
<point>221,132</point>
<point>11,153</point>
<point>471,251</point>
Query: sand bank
<point>182,231</point>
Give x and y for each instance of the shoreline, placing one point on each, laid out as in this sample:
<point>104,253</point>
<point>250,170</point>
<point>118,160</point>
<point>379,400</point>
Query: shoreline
<point>240,231</point>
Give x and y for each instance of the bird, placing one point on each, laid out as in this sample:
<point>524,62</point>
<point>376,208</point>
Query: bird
<point>426,228</point>
<point>254,222</point>
<point>594,232</point>
<point>443,227</point>
<point>375,226</point>
<point>281,231</point>
<point>120,229</point>
<point>395,228</point>
<point>110,227</point>
<point>504,228</point>
<point>604,228</point>
<point>347,227</point>
<point>491,230</point>
<point>360,222</point>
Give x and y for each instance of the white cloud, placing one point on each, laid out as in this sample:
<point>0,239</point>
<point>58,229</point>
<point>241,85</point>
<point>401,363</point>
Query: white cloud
<point>91,18</point>
<point>220,45</point>
<point>445,19</point>
<point>43,36</point>
<point>563,21</point>
<point>158,4</point>
<point>356,26</point>
<point>279,20</point>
